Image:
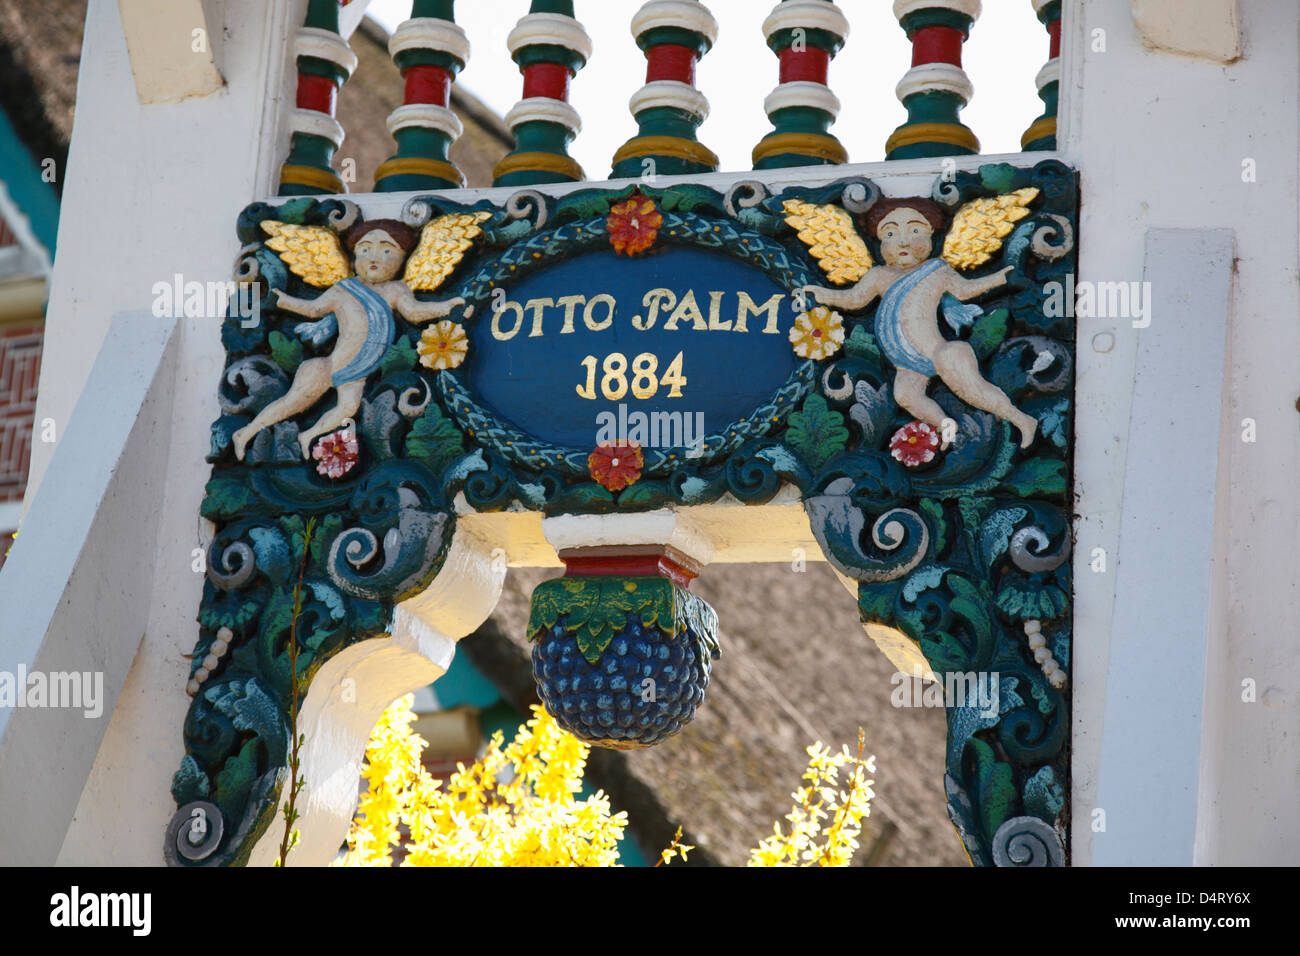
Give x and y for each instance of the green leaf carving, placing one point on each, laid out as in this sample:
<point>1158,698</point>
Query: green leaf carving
<point>235,780</point>
<point>876,601</point>
<point>939,527</point>
<point>595,609</point>
<point>999,177</point>
<point>1043,603</point>
<point>295,209</point>
<point>1054,422</point>
<point>400,357</point>
<point>227,497</point>
<point>994,786</point>
<point>1044,796</point>
<point>970,604</point>
<point>944,653</point>
<point>324,537</point>
<point>817,432</point>
<point>988,332</point>
<point>861,344</point>
<point>189,783</point>
<point>287,352</point>
<point>231,613</point>
<point>434,440</point>
<point>1037,476</point>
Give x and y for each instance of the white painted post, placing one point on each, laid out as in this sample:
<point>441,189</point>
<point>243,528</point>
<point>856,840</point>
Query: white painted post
<point>73,600</point>
<point>1152,731</point>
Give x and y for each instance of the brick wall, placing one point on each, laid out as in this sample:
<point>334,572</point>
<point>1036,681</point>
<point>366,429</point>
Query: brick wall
<point>20,366</point>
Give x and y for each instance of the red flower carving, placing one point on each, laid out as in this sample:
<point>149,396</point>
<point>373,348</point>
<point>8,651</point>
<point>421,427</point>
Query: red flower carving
<point>914,444</point>
<point>616,465</point>
<point>633,224</point>
<point>336,453</point>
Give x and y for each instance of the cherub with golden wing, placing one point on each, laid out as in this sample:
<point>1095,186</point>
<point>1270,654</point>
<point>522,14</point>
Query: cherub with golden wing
<point>915,287</point>
<point>358,309</point>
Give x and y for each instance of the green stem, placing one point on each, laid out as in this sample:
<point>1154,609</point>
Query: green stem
<point>295,785</point>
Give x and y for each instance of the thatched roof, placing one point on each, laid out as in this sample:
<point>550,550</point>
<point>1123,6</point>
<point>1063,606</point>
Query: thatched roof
<point>40,50</point>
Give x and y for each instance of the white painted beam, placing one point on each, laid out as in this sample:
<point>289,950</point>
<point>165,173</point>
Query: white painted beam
<point>1152,732</point>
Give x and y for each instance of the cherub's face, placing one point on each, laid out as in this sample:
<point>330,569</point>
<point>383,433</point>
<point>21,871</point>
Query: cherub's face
<point>378,256</point>
<point>905,237</point>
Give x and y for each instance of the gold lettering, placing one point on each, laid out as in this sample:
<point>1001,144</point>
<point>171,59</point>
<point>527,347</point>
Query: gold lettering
<point>715,307</point>
<point>537,305</point>
<point>606,298</point>
<point>569,301</point>
<point>687,309</point>
<point>497,333</point>
<point>652,301</point>
<point>745,307</point>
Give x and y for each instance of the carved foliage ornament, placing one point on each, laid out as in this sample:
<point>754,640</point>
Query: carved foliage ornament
<point>890,358</point>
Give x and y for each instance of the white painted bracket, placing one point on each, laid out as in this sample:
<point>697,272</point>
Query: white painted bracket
<point>173,49</point>
<point>1210,29</point>
<point>354,687</point>
<point>76,590</point>
<point>673,528</point>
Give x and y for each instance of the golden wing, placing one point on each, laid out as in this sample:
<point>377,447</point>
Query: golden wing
<point>829,234</point>
<point>312,252</point>
<point>980,225</point>
<point>443,242</point>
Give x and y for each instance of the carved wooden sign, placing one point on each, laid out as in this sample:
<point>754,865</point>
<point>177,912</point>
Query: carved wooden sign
<point>653,343</point>
<point>632,349</point>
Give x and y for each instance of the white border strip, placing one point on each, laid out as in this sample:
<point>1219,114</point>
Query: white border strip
<point>807,15</point>
<point>684,14</point>
<point>671,93</point>
<point>544,109</point>
<point>324,45</point>
<point>554,29</point>
<point>969,7</point>
<point>802,93</point>
<point>316,123</point>
<point>430,33</point>
<point>428,115</point>
<point>942,77</point>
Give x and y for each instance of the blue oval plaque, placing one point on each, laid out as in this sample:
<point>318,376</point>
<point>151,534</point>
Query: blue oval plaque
<point>681,344</point>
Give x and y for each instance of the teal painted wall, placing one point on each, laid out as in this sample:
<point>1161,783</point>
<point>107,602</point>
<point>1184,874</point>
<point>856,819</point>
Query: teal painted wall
<point>21,173</point>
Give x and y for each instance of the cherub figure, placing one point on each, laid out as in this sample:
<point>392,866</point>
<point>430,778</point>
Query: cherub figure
<point>358,309</point>
<point>915,287</point>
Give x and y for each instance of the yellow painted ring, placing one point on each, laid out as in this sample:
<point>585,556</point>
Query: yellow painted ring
<point>954,134</point>
<point>539,162</point>
<point>298,175</point>
<point>803,144</point>
<point>1041,128</point>
<point>419,166</point>
<point>674,146</point>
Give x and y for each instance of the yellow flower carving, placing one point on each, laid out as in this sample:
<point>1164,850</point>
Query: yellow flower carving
<point>817,333</point>
<point>443,345</point>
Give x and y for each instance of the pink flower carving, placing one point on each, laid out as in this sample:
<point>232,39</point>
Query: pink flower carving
<point>336,453</point>
<point>914,444</point>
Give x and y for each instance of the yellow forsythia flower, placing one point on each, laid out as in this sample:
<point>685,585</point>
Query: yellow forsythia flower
<point>517,805</point>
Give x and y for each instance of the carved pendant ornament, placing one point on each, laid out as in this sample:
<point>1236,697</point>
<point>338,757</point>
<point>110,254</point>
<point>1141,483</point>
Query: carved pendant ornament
<point>638,349</point>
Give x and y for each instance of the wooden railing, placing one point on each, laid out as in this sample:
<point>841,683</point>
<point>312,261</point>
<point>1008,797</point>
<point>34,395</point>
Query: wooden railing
<point>550,46</point>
